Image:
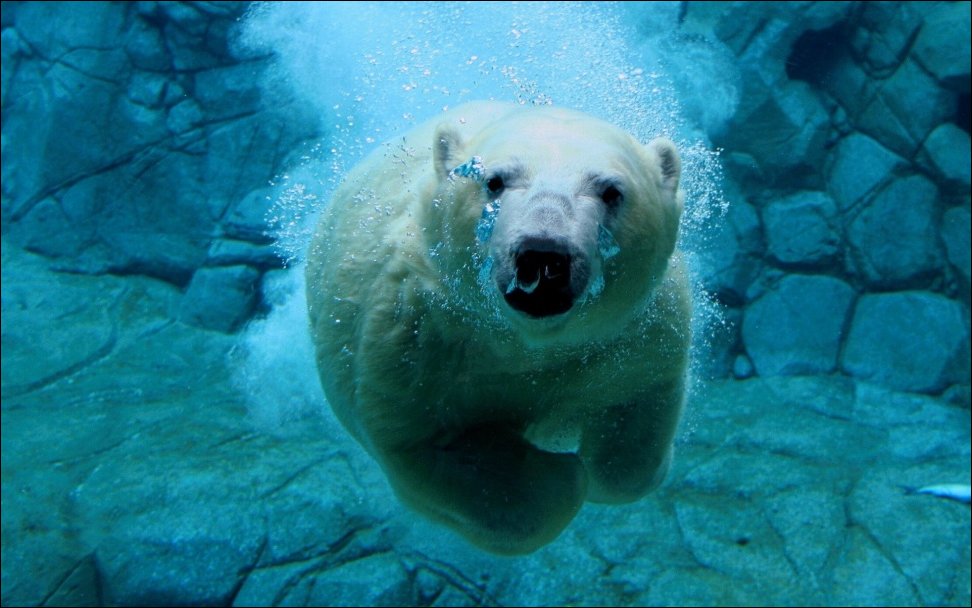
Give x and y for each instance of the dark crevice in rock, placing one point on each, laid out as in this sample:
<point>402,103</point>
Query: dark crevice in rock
<point>686,542</point>
<point>352,470</point>
<point>102,352</point>
<point>300,471</point>
<point>962,112</point>
<point>327,554</point>
<point>328,559</point>
<point>177,275</point>
<point>888,554</point>
<point>476,592</point>
<point>154,161</point>
<point>780,538</point>
<point>245,573</point>
<point>123,159</point>
<point>98,452</point>
<point>61,60</point>
<point>754,35</point>
<point>815,53</point>
<point>342,543</point>
<point>239,438</point>
<point>88,74</point>
<point>682,11</point>
<point>219,121</point>
<point>67,576</point>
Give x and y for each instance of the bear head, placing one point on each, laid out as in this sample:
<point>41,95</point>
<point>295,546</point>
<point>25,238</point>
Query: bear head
<point>564,220</point>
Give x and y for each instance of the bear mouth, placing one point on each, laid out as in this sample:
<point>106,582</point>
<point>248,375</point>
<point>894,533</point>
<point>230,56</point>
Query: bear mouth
<point>541,284</point>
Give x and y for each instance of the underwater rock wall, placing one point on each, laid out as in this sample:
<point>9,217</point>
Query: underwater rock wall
<point>847,165</point>
<point>133,476</point>
<point>137,139</point>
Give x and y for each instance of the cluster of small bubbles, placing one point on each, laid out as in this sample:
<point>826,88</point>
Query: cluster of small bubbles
<point>473,169</point>
<point>525,91</point>
<point>710,327</point>
<point>485,274</point>
<point>291,218</point>
<point>484,228</point>
<point>273,364</point>
<point>702,185</point>
<point>607,246</point>
<point>705,202</point>
<point>597,286</point>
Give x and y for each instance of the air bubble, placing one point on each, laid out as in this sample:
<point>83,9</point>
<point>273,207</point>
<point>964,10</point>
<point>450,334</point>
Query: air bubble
<point>484,229</point>
<point>607,246</point>
<point>485,274</point>
<point>597,286</point>
<point>473,169</point>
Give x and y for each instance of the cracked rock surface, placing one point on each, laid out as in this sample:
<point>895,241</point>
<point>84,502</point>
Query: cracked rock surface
<point>132,474</point>
<point>134,139</point>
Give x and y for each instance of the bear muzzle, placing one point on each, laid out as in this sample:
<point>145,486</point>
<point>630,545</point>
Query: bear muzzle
<point>544,278</point>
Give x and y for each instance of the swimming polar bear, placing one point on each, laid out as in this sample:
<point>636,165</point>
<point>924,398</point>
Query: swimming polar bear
<point>501,317</point>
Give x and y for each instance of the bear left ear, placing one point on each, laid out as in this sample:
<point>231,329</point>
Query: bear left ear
<point>446,150</point>
<point>665,155</point>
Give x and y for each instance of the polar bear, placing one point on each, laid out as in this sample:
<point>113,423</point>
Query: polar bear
<point>501,317</point>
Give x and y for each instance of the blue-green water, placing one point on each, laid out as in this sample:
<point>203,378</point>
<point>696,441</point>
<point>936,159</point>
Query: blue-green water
<point>164,436</point>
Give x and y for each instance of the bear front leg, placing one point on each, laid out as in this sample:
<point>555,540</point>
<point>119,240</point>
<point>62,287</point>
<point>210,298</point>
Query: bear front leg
<point>492,486</point>
<point>627,449</point>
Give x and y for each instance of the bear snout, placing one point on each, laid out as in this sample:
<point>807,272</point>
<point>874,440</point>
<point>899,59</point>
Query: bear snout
<point>535,267</point>
<point>543,277</point>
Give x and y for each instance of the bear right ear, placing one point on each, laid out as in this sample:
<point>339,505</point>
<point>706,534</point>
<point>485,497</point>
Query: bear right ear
<point>670,165</point>
<point>446,150</point>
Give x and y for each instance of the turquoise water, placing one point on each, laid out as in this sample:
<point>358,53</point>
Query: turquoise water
<point>164,436</point>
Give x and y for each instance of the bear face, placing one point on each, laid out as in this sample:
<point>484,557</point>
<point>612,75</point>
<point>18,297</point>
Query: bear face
<point>575,208</point>
<point>500,317</point>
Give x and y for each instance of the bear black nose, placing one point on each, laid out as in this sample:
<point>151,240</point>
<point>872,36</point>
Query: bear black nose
<point>541,285</point>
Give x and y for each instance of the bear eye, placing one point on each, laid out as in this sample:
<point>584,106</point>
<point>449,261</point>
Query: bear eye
<point>611,196</point>
<point>495,184</point>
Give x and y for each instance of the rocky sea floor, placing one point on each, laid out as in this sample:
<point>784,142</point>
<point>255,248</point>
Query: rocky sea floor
<point>133,474</point>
